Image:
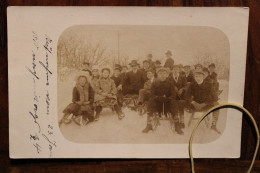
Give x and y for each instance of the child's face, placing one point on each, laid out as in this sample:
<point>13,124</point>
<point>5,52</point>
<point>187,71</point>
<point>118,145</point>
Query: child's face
<point>176,70</point>
<point>162,75</point>
<point>206,74</point>
<point>146,65</point>
<point>150,75</point>
<point>95,73</point>
<point>199,78</point>
<point>117,72</point>
<point>82,81</point>
<point>135,67</point>
<point>187,70</point>
<point>198,68</point>
<point>105,73</point>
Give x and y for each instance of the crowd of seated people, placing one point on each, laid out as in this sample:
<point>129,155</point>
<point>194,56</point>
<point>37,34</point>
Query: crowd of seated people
<point>163,89</point>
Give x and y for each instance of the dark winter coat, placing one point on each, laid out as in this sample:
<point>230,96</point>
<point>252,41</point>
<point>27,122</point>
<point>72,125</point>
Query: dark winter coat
<point>118,80</point>
<point>213,76</point>
<point>144,74</point>
<point>190,77</point>
<point>133,82</point>
<point>202,93</point>
<point>162,88</point>
<point>77,109</point>
<point>181,81</point>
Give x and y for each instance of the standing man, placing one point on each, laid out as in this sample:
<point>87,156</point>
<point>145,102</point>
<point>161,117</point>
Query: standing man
<point>169,61</point>
<point>150,60</point>
<point>133,80</point>
<point>162,100</point>
<point>212,74</point>
<point>214,77</point>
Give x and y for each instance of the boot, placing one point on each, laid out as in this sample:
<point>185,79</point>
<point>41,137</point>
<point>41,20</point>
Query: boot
<point>98,111</point>
<point>178,128</point>
<point>182,125</point>
<point>147,128</point>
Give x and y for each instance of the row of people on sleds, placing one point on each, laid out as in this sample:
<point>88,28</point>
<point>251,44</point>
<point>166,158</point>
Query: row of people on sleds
<point>181,88</point>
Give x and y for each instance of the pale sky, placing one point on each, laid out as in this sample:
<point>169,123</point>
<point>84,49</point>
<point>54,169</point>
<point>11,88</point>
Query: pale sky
<point>185,42</point>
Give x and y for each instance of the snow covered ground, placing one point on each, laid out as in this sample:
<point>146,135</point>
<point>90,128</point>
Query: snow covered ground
<point>109,129</point>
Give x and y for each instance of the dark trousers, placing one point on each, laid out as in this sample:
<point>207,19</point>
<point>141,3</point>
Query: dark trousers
<point>205,109</point>
<point>120,97</point>
<point>144,95</point>
<point>156,106</point>
<point>130,90</point>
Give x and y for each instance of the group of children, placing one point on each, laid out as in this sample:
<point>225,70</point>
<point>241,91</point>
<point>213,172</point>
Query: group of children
<point>168,89</point>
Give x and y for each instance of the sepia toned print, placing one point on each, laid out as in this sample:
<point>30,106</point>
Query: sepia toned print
<point>141,84</point>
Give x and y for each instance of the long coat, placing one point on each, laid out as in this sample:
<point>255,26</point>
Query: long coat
<point>133,82</point>
<point>106,86</point>
<point>202,93</point>
<point>162,98</point>
<point>144,74</point>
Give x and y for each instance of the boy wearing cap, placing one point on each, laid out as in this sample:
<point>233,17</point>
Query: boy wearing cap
<point>198,67</point>
<point>150,61</point>
<point>133,80</point>
<point>157,64</point>
<point>203,96</point>
<point>162,100</point>
<point>146,91</point>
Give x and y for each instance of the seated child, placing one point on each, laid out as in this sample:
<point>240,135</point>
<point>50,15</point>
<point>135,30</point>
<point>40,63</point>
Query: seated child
<point>179,82</point>
<point>105,94</point>
<point>203,96</point>
<point>162,100</point>
<point>118,78</point>
<point>82,101</point>
<point>144,93</point>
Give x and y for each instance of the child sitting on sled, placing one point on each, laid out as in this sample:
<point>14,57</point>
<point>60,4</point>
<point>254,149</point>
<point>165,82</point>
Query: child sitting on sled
<point>82,102</point>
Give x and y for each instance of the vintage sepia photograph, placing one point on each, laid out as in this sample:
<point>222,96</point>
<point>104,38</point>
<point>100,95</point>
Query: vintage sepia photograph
<point>134,84</point>
<point>96,82</point>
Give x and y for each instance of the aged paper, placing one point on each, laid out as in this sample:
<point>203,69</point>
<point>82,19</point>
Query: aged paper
<point>125,82</point>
